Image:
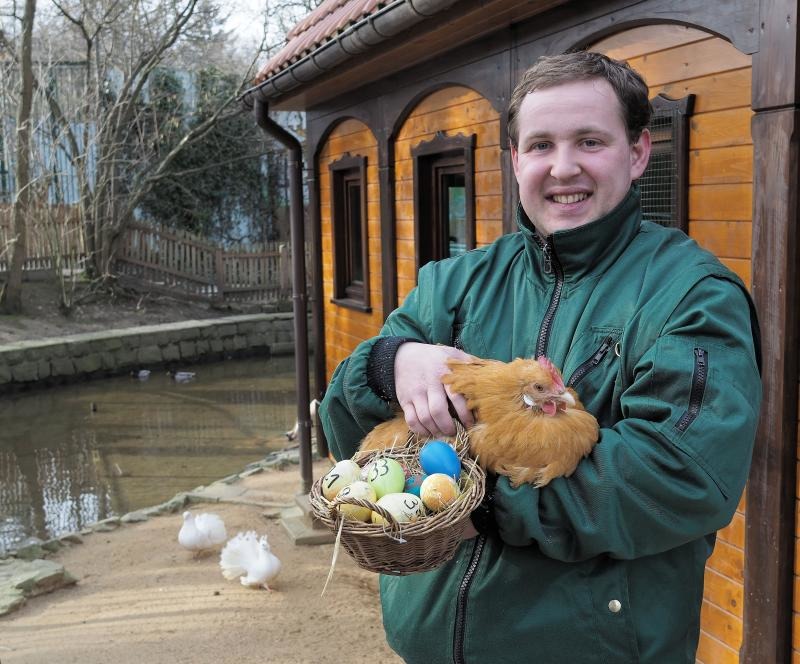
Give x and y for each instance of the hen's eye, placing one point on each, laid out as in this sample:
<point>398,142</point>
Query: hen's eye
<point>538,387</point>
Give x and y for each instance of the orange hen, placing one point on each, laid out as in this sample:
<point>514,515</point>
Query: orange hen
<point>529,426</point>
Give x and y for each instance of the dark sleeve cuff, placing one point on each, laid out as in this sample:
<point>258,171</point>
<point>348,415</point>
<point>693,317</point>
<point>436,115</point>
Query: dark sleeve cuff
<point>380,367</point>
<point>483,515</point>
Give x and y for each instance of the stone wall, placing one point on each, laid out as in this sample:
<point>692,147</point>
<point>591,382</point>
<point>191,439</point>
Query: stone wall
<point>97,354</point>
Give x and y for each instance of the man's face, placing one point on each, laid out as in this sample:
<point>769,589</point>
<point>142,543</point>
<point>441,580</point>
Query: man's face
<point>573,160</point>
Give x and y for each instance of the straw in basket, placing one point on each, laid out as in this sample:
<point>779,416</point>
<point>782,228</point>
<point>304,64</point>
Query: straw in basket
<point>405,548</point>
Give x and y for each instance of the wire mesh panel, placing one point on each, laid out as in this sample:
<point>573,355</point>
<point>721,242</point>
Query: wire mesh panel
<point>664,184</point>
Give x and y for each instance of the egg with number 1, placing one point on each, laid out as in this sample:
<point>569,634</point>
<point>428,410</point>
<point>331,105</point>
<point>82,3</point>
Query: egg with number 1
<point>437,456</point>
<point>386,476</point>
<point>337,478</point>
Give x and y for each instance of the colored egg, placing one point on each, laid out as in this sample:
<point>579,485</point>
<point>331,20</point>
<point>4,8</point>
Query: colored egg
<point>439,491</point>
<point>337,478</point>
<point>437,456</point>
<point>413,483</point>
<point>386,476</point>
<point>404,507</point>
<point>358,489</point>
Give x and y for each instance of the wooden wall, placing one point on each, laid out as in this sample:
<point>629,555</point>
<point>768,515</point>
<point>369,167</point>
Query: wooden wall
<point>453,110</point>
<point>345,327</point>
<point>678,61</point>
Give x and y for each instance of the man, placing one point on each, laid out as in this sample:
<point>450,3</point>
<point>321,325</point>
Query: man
<point>606,565</point>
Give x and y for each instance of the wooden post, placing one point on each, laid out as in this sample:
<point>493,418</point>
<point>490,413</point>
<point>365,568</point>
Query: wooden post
<point>770,519</point>
<point>219,275</point>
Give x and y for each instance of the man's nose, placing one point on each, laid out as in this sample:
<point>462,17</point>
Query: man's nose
<point>565,164</point>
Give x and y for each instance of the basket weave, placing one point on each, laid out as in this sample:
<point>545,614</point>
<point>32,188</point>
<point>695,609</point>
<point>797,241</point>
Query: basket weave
<point>405,548</point>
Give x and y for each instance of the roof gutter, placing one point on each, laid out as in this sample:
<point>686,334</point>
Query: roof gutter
<point>299,303</point>
<point>370,31</point>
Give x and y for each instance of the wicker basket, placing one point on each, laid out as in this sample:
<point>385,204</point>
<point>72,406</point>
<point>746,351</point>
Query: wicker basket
<point>405,548</point>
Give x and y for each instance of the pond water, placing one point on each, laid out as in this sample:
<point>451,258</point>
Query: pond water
<point>76,454</point>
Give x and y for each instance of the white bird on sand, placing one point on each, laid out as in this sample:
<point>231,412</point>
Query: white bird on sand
<point>202,532</point>
<point>249,557</point>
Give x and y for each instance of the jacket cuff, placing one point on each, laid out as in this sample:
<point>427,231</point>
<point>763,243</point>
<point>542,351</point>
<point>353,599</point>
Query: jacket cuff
<point>380,367</point>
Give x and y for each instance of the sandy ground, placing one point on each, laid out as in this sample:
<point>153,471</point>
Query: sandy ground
<point>142,599</point>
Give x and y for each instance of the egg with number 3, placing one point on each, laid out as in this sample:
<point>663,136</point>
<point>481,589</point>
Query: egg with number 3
<point>437,456</point>
<point>404,507</point>
<point>343,473</point>
<point>386,476</point>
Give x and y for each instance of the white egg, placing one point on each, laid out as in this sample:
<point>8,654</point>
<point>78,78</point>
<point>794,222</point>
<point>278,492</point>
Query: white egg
<point>361,490</point>
<point>337,478</point>
<point>404,507</point>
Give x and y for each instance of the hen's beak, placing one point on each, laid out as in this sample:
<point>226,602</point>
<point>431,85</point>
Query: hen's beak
<point>567,398</point>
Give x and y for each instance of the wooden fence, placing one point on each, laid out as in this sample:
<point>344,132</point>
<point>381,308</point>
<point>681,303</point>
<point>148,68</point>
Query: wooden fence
<point>180,263</point>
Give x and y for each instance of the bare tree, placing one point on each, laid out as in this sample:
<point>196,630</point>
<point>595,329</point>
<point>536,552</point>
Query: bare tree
<point>11,296</point>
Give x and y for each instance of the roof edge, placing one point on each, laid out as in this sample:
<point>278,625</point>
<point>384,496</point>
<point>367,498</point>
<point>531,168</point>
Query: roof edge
<point>356,39</point>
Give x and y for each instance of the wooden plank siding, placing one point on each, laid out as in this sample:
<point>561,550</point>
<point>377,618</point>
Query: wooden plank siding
<point>347,327</point>
<point>452,110</point>
<point>677,61</point>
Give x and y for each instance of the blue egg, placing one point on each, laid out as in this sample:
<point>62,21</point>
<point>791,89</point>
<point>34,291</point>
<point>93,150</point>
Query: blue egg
<point>437,456</point>
<point>413,483</point>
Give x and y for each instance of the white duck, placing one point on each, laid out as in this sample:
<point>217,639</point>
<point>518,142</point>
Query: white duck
<point>202,532</point>
<point>249,557</point>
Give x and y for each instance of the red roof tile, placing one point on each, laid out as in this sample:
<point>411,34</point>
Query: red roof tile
<point>321,25</point>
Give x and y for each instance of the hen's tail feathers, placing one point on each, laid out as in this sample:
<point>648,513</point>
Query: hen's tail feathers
<point>238,554</point>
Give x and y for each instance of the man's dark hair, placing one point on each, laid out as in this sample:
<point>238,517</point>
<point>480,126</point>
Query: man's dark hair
<point>552,70</point>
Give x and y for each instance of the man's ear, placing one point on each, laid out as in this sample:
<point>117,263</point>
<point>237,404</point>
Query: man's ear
<point>514,157</point>
<point>640,154</point>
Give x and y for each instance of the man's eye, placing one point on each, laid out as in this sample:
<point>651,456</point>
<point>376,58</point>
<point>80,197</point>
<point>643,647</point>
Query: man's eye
<point>591,143</point>
<point>538,147</point>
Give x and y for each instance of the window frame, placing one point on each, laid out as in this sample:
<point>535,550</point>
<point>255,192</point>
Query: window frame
<point>441,153</point>
<point>347,291</point>
<point>681,110</point>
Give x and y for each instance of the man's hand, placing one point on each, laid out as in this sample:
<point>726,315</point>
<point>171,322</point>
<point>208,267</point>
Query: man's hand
<point>418,371</point>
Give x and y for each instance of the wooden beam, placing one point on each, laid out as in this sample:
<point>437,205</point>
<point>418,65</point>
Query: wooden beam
<point>386,182</point>
<point>770,522</point>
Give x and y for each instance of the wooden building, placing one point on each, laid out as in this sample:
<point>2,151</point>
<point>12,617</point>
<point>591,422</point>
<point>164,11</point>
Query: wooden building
<point>406,104</point>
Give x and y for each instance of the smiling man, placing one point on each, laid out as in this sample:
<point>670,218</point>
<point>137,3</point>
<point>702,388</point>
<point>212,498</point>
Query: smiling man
<point>659,340</point>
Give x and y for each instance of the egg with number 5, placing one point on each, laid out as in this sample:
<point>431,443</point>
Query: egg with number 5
<point>404,507</point>
<point>337,478</point>
<point>439,491</point>
<point>386,476</point>
<point>437,456</point>
<point>361,490</point>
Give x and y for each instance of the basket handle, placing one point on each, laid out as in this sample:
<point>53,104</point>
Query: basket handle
<point>394,524</point>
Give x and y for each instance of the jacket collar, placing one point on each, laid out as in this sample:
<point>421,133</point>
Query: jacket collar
<point>585,250</point>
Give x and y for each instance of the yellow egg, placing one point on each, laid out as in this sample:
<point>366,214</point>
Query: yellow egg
<point>358,489</point>
<point>404,507</point>
<point>439,491</point>
<point>337,478</point>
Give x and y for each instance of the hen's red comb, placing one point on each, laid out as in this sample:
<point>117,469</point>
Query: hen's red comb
<point>555,374</point>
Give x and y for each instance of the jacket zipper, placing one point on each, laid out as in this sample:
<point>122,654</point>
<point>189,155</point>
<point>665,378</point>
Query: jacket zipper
<point>461,600</point>
<point>550,263</point>
<point>699,378</point>
<point>580,373</point>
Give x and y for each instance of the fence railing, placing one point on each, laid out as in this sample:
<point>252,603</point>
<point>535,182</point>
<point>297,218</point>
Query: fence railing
<point>178,262</point>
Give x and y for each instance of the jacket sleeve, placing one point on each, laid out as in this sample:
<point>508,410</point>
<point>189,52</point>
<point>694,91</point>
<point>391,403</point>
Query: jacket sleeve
<point>350,409</point>
<point>673,469</point>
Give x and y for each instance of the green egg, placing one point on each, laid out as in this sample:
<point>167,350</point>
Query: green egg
<point>386,476</point>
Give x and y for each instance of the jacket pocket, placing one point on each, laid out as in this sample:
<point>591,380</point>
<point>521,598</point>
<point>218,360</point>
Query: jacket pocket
<point>699,379</point>
<point>592,363</point>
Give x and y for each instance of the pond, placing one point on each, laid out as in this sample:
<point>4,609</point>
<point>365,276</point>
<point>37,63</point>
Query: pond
<point>76,454</point>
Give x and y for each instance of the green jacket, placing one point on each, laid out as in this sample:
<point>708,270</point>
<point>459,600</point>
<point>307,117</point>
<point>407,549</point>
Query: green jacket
<point>661,343</point>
